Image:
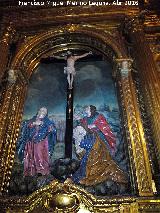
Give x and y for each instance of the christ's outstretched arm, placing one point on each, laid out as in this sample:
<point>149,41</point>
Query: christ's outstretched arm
<point>83,55</point>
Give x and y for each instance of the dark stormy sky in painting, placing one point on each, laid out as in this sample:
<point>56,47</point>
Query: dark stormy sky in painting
<point>93,85</point>
<point>47,88</point>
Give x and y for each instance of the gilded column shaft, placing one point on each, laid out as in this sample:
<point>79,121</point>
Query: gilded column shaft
<point>11,115</point>
<point>149,77</point>
<point>4,44</point>
<point>135,129</point>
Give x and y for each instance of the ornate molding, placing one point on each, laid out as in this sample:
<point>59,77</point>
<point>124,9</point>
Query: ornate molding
<point>68,14</point>
<point>8,34</point>
<point>68,198</point>
<point>154,43</point>
<point>152,22</point>
<point>5,41</point>
<point>149,78</point>
<point>11,115</point>
<point>132,25</point>
<point>132,119</point>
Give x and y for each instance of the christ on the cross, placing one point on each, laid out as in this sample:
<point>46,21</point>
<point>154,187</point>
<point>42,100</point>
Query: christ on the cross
<point>70,69</point>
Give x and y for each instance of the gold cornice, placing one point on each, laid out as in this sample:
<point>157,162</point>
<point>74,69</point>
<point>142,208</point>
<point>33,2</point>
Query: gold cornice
<point>152,21</point>
<point>52,16</point>
<point>152,36</point>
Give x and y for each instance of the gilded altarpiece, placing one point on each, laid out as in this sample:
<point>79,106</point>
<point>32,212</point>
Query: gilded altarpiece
<point>108,40</point>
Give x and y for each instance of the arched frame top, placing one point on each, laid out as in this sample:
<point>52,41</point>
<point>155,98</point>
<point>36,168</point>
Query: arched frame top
<point>61,39</point>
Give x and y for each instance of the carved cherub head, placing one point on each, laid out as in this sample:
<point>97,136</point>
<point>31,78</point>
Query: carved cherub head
<point>11,76</point>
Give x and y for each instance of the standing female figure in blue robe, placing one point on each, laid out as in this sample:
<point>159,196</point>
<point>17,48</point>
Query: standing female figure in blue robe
<point>35,144</point>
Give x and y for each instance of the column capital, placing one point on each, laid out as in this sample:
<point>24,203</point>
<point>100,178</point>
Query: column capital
<point>12,76</point>
<point>19,72</point>
<point>124,65</point>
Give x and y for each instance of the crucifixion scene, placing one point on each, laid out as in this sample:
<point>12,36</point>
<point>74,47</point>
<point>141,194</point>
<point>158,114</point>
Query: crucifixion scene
<point>80,106</point>
<point>71,128</point>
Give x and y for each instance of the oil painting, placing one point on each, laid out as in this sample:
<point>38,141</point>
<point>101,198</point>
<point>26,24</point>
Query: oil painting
<point>99,155</point>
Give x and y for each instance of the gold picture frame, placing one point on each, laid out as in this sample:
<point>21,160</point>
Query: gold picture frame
<point>66,197</point>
